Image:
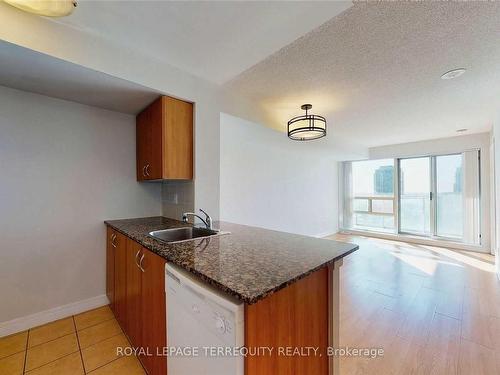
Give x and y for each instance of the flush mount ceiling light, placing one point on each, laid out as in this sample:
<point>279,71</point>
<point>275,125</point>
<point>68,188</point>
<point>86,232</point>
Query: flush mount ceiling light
<point>306,127</point>
<point>453,73</point>
<point>49,8</point>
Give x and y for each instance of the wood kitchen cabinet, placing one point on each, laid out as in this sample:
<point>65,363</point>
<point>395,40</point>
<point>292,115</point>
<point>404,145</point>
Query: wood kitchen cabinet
<point>110,267</point>
<point>134,300</point>
<point>135,285</point>
<point>154,324</point>
<point>120,278</point>
<point>291,317</point>
<point>164,136</point>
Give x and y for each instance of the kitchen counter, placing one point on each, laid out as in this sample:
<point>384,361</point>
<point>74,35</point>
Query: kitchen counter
<point>249,263</point>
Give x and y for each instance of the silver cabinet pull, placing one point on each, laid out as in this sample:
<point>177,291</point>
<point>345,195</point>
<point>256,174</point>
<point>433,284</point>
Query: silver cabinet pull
<point>147,170</point>
<point>144,171</point>
<point>136,255</point>
<point>113,238</point>
<point>140,263</point>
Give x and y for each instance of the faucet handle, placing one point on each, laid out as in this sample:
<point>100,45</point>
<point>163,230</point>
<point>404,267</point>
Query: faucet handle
<point>208,219</point>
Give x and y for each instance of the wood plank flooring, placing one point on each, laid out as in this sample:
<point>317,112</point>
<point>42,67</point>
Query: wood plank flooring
<point>433,310</point>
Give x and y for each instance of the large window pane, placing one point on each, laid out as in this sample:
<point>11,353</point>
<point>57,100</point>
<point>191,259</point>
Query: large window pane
<point>415,188</point>
<point>383,206</point>
<point>372,195</point>
<point>449,182</point>
<point>361,204</point>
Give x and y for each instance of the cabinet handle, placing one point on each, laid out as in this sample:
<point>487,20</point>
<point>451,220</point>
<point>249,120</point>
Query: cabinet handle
<point>144,171</point>
<point>140,263</point>
<point>113,238</point>
<point>136,255</point>
<point>147,170</point>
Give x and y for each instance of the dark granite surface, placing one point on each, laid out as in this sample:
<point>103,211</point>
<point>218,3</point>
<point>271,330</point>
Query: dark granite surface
<point>249,263</point>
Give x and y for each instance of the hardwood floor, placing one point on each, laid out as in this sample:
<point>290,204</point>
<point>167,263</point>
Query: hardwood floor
<point>433,310</point>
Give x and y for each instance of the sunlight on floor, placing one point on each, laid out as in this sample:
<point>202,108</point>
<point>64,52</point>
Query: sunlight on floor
<point>484,262</point>
<point>423,264</point>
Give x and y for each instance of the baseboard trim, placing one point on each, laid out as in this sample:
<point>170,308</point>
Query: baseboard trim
<point>417,240</point>
<point>326,234</point>
<point>21,324</point>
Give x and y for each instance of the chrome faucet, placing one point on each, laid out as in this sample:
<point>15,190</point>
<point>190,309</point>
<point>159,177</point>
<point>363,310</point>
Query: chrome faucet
<point>207,221</point>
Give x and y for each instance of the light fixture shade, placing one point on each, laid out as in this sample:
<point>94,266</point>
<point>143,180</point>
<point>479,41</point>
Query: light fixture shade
<point>49,8</point>
<point>306,127</point>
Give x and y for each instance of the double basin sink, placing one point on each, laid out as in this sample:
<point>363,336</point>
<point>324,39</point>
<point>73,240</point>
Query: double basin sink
<point>183,234</point>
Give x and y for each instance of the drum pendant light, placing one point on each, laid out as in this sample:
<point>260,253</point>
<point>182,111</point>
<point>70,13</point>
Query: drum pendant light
<point>306,127</point>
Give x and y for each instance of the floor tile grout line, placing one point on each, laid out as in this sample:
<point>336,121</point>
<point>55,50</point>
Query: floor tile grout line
<point>51,340</point>
<point>107,363</point>
<point>26,350</point>
<point>11,354</point>
<point>93,325</point>
<point>70,333</point>
<point>107,338</point>
<point>79,347</point>
<point>48,363</point>
<point>66,355</point>
<point>32,328</point>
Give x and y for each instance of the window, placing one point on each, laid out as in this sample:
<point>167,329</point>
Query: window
<point>370,202</point>
<point>432,196</point>
<point>449,199</point>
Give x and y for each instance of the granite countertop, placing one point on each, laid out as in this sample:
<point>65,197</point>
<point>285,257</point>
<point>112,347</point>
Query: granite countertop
<point>249,263</point>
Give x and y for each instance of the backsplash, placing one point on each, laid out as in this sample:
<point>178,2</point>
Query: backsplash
<point>177,197</point>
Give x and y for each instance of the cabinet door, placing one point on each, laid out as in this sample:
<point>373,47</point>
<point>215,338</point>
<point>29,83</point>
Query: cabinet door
<point>149,142</point>
<point>110,266</point>
<point>134,274</point>
<point>154,327</point>
<point>155,140</point>
<point>121,279</point>
<point>178,139</point>
<point>143,134</point>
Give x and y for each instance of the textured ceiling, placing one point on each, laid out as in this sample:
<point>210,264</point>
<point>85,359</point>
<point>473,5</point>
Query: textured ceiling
<point>374,72</point>
<point>212,40</point>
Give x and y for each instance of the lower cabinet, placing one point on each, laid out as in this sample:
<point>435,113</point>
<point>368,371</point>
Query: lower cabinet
<point>110,266</point>
<point>154,323</point>
<point>136,290</point>
<point>134,300</point>
<point>120,301</point>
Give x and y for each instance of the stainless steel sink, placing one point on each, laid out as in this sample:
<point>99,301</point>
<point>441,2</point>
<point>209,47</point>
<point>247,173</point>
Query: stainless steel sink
<point>184,234</point>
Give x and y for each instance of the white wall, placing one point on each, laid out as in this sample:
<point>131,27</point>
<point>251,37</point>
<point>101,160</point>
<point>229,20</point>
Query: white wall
<point>269,181</point>
<point>451,145</point>
<point>47,36</point>
<point>65,168</point>
<point>496,191</point>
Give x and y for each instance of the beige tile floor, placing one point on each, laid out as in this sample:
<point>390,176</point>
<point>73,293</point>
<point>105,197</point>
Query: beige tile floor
<point>81,344</point>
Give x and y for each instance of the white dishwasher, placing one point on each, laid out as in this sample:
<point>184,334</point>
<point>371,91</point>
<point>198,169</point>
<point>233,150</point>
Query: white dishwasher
<point>201,319</point>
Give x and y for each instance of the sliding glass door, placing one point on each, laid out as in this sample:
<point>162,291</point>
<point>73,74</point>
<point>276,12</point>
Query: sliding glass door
<point>436,196</point>
<point>415,196</point>
<point>430,196</point>
<point>449,198</point>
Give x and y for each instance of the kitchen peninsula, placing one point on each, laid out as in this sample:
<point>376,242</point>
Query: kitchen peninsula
<point>289,285</point>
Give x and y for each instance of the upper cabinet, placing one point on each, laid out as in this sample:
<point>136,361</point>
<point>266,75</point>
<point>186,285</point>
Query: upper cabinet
<point>165,140</point>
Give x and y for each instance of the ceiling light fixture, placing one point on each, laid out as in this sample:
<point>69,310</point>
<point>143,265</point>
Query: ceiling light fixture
<point>453,73</point>
<point>49,8</point>
<point>306,127</point>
